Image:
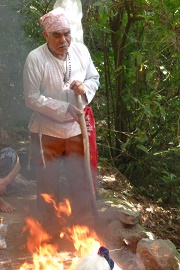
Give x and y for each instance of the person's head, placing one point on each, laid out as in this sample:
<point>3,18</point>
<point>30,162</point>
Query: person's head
<point>57,31</point>
<point>93,262</point>
<point>100,261</point>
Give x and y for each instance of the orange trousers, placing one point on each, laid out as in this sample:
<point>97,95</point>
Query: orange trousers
<point>71,150</point>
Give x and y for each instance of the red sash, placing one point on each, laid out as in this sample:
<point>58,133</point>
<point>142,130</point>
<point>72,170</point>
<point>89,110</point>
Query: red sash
<point>91,129</point>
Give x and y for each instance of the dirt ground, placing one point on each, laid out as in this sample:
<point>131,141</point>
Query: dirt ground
<point>24,200</point>
<point>25,205</point>
<point>22,196</point>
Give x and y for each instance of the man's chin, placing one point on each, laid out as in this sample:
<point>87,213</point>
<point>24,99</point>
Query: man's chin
<point>63,49</point>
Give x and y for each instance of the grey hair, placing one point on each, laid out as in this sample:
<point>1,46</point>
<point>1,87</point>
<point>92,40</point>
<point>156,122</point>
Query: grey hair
<point>93,262</point>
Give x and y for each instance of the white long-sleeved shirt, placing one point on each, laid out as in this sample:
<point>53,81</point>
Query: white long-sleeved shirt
<point>46,95</point>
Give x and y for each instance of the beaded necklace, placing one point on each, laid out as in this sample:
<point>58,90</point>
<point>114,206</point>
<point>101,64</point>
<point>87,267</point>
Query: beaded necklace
<point>66,71</point>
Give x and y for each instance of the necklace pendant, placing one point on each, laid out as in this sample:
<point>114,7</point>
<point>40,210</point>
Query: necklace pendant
<point>66,73</point>
<point>64,87</point>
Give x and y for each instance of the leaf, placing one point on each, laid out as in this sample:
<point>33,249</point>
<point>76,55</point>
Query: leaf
<point>123,146</point>
<point>147,109</point>
<point>139,59</point>
<point>143,148</point>
<point>163,112</point>
<point>173,127</point>
<point>149,75</point>
<point>98,4</point>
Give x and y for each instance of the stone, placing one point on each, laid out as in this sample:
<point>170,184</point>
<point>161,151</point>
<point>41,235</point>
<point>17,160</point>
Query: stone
<point>127,260</point>
<point>124,215</point>
<point>132,240</point>
<point>113,234</point>
<point>158,254</point>
<point>125,233</point>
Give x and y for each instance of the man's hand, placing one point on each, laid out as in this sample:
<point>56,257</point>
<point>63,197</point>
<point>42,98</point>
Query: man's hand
<point>78,87</point>
<point>74,112</point>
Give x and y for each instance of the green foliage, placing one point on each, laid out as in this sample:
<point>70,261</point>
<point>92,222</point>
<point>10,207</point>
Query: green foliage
<point>145,103</point>
<point>157,176</point>
<point>32,11</point>
<point>135,47</point>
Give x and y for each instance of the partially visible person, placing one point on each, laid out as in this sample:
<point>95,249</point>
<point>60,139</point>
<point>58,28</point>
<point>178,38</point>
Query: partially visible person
<point>99,261</point>
<point>9,168</point>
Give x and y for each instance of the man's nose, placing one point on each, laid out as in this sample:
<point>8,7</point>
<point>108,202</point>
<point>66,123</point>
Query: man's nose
<point>62,38</point>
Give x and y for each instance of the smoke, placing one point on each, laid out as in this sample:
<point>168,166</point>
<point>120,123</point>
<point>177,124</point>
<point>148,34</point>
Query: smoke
<point>12,57</point>
<point>14,50</point>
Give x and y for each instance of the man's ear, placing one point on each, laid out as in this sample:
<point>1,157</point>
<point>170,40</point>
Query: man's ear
<point>45,34</point>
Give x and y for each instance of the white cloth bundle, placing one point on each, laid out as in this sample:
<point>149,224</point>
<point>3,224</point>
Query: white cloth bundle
<point>73,10</point>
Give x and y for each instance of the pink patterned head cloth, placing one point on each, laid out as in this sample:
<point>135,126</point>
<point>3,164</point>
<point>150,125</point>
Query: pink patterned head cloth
<point>55,20</point>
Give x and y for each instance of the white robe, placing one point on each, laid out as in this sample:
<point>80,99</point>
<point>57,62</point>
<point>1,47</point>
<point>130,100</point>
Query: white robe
<point>44,92</point>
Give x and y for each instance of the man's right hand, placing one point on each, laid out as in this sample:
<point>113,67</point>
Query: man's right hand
<point>74,112</point>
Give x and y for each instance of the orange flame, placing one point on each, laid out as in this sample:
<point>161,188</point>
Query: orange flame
<point>45,256</point>
<point>61,207</point>
<point>85,241</point>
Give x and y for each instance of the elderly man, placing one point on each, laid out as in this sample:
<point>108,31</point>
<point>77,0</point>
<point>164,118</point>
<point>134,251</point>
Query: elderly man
<point>54,74</point>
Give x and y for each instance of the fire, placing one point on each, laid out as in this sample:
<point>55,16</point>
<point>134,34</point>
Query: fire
<point>45,256</point>
<point>85,241</point>
<point>61,208</point>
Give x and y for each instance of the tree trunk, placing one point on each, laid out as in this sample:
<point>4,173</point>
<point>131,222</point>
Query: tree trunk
<point>119,37</point>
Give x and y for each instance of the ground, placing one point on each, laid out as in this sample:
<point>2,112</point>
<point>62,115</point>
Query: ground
<point>163,221</point>
<point>24,202</point>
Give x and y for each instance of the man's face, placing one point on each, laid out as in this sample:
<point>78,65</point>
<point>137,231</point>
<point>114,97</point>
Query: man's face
<point>58,41</point>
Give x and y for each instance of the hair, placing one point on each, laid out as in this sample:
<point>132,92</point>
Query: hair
<point>93,262</point>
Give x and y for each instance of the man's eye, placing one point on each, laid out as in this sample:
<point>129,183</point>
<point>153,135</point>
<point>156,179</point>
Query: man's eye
<point>67,34</point>
<point>55,35</point>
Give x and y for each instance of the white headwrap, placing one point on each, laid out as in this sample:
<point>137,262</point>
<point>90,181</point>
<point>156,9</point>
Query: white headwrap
<point>55,20</point>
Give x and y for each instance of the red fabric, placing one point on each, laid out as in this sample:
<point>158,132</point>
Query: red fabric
<point>91,129</point>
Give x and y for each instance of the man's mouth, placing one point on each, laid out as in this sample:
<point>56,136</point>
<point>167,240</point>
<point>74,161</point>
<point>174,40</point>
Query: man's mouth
<point>63,46</point>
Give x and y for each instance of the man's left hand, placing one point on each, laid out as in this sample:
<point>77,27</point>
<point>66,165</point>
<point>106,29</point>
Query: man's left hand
<point>74,112</point>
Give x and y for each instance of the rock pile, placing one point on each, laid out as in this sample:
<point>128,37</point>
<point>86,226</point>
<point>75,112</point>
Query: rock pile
<point>130,245</point>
